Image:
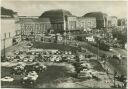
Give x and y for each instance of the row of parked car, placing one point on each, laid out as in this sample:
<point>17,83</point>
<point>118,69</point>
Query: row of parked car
<point>29,71</point>
<point>40,55</point>
<point>23,68</point>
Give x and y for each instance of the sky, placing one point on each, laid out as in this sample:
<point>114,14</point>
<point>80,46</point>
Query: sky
<point>78,8</point>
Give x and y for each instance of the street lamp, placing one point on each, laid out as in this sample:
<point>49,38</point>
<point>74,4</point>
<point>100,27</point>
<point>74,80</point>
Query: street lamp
<point>115,73</point>
<point>4,49</point>
<point>66,20</point>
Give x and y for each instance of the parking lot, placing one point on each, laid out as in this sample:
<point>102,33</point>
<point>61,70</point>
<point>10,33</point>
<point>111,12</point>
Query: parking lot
<point>60,71</point>
<point>56,76</point>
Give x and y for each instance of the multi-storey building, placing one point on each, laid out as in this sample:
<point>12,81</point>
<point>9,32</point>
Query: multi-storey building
<point>62,20</point>
<point>86,22</point>
<point>58,18</point>
<point>7,31</point>
<point>8,28</point>
<point>33,26</point>
<point>72,23</point>
<point>112,21</point>
<point>122,22</point>
<point>101,19</point>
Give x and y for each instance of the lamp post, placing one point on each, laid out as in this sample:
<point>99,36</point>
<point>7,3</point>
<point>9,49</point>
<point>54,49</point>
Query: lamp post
<point>66,21</point>
<point>114,78</point>
<point>4,49</point>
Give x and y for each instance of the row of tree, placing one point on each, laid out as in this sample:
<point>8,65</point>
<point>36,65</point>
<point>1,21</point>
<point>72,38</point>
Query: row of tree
<point>121,35</point>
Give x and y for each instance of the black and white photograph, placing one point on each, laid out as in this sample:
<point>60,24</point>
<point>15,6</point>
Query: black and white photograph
<point>63,44</point>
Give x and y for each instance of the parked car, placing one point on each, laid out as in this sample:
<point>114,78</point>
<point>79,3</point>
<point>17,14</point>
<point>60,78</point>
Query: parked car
<point>7,79</point>
<point>111,49</point>
<point>18,69</point>
<point>85,74</point>
<point>86,65</point>
<point>30,78</point>
<point>38,67</point>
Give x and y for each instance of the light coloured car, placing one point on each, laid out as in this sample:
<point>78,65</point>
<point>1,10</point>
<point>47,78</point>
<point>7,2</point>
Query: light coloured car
<point>85,73</point>
<point>33,53</point>
<point>39,67</point>
<point>30,59</point>
<point>110,49</point>
<point>18,69</point>
<point>87,65</point>
<point>7,79</point>
<point>57,59</point>
<point>21,57</point>
<point>16,52</point>
<point>31,76</point>
<point>25,59</point>
<point>8,57</point>
<point>70,52</point>
<point>44,67</point>
<point>12,57</point>
<point>66,52</point>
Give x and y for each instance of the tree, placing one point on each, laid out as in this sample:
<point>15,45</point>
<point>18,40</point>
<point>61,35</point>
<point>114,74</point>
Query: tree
<point>121,35</point>
<point>79,38</point>
<point>77,66</point>
<point>8,12</point>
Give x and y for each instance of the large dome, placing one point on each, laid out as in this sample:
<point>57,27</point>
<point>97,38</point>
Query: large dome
<point>56,14</point>
<point>97,15</point>
<point>101,18</point>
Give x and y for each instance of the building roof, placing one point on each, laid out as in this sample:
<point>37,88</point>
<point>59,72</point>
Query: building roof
<point>86,18</point>
<point>113,17</point>
<point>56,14</point>
<point>98,15</point>
<point>23,20</point>
<point>28,16</point>
<point>7,17</point>
<point>7,13</point>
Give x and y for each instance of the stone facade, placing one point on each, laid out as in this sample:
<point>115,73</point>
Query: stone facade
<point>33,26</point>
<point>112,21</point>
<point>58,19</point>
<point>7,32</point>
<point>101,19</point>
<point>86,22</point>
